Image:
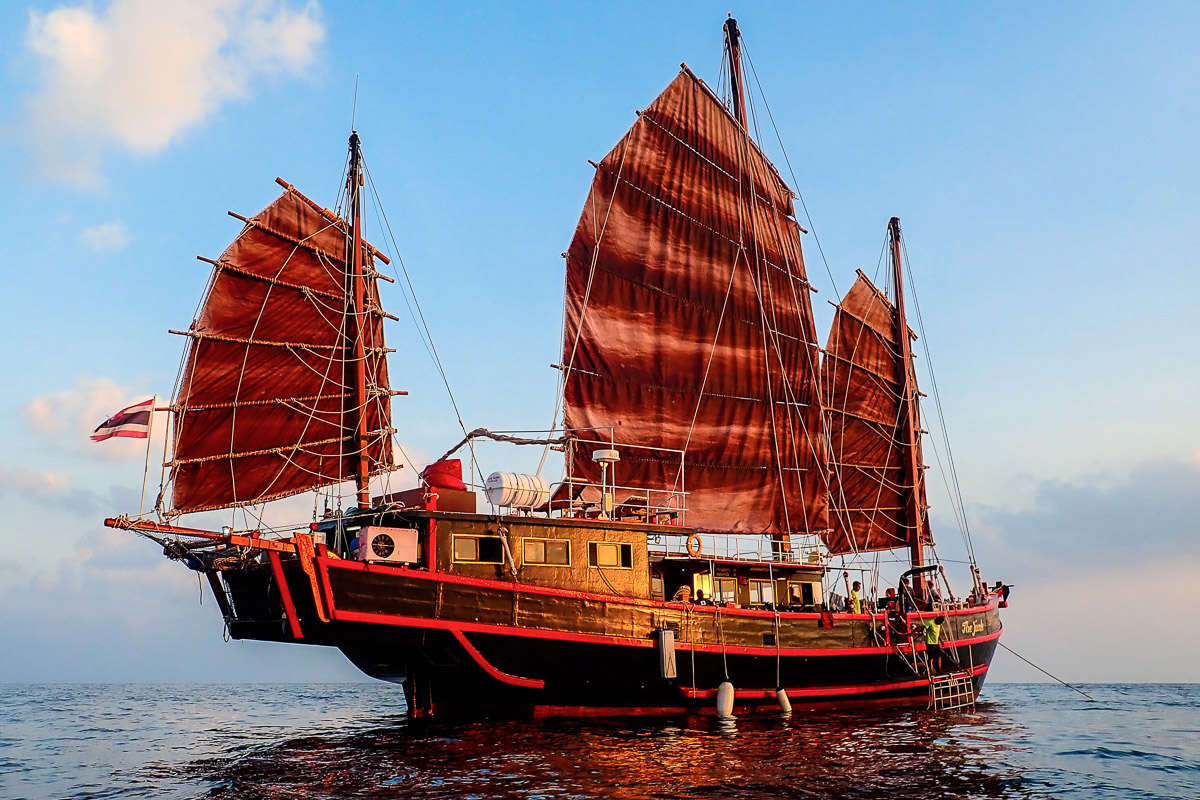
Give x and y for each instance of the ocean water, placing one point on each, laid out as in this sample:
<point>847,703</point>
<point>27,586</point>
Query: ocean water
<point>333,741</point>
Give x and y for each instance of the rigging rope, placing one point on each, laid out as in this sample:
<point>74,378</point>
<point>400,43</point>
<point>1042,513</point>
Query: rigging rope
<point>423,327</point>
<point>937,400</point>
<point>811,225</point>
<point>1045,672</point>
<point>484,433</point>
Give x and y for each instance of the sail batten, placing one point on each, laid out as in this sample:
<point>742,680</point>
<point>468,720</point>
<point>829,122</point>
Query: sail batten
<point>267,404</point>
<point>688,327</point>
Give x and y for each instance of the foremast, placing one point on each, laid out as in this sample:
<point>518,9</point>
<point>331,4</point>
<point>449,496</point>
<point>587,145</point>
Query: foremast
<point>284,387</point>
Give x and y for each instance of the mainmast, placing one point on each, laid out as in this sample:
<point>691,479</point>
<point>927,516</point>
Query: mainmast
<point>733,44</point>
<point>909,428</point>
<point>354,263</point>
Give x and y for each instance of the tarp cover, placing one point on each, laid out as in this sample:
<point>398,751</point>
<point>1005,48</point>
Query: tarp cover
<point>861,385</point>
<point>266,404</point>
<point>689,324</point>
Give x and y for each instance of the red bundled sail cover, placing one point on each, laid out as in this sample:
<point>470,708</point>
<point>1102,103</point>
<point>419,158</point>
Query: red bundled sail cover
<point>689,324</point>
<point>445,474</point>
<point>867,448</point>
<point>266,405</point>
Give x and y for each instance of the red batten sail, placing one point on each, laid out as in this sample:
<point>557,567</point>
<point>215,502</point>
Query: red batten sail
<point>689,324</point>
<point>266,405</point>
<point>861,384</point>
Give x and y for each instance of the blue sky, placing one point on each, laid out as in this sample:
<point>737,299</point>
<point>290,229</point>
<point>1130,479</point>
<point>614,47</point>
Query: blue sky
<point>1041,157</point>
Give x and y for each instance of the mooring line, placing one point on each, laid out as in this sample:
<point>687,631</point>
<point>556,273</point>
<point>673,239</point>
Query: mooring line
<point>1039,669</point>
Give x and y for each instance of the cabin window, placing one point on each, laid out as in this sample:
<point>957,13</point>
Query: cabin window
<point>761,592</point>
<point>610,555</point>
<point>478,549</point>
<point>548,552</point>
<point>727,590</point>
<point>801,594</point>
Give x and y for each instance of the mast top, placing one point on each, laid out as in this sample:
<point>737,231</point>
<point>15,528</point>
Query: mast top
<point>733,43</point>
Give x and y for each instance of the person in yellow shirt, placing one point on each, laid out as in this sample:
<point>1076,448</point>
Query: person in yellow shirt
<point>933,641</point>
<point>856,605</point>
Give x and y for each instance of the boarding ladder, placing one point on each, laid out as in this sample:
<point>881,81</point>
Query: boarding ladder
<point>954,691</point>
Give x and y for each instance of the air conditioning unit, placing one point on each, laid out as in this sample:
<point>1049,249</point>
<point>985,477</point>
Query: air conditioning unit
<point>392,545</point>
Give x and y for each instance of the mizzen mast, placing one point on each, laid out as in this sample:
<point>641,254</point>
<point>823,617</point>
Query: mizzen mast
<point>357,342</point>
<point>909,427</point>
<point>733,45</point>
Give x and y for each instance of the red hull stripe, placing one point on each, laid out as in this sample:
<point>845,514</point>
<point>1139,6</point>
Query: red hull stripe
<point>824,691</point>
<point>546,712</point>
<point>503,677</point>
<point>596,638</point>
<point>444,577</point>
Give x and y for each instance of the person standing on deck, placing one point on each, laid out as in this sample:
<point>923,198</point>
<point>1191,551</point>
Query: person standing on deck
<point>856,598</point>
<point>933,642</point>
<point>907,602</point>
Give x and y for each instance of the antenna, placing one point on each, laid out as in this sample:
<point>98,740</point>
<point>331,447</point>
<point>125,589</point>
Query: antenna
<point>354,106</point>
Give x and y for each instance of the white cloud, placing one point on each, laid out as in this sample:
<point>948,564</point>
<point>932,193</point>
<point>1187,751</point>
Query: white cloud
<point>1119,623</point>
<point>68,418</point>
<point>29,482</point>
<point>138,73</point>
<point>1104,568</point>
<point>107,236</point>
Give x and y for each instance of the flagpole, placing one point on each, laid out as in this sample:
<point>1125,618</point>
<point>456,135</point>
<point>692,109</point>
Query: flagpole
<point>146,467</point>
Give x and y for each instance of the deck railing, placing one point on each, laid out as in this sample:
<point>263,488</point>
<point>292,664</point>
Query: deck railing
<point>802,549</point>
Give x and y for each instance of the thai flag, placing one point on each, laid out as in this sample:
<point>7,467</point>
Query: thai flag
<point>133,422</point>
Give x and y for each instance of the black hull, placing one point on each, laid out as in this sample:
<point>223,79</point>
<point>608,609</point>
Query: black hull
<point>483,648</point>
<point>594,679</point>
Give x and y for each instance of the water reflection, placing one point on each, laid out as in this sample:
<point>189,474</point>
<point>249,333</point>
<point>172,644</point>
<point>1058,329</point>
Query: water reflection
<point>808,755</point>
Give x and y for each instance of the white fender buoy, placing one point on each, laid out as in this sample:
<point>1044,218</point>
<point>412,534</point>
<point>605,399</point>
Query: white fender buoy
<point>725,700</point>
<point>785,705</point>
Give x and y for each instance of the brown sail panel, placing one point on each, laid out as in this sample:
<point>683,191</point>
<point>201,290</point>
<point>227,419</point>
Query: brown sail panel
<point>688,324</point>
<point>266,405</point>
<point>861,380</point>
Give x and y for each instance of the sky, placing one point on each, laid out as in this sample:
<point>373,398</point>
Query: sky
<point>1042,158</point>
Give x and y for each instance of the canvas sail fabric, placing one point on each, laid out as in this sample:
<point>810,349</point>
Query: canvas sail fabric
<point>266,405</point>
<point>688,323</point>
<point>861,385</point>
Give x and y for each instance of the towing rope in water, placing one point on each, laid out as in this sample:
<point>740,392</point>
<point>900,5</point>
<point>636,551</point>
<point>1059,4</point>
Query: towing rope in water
<point>1039,669</point>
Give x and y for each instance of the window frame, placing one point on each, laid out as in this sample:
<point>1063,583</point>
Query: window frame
<point>593,546</point>
<point>719,596</point>
<point>454,559</point>
<point>758,583</point>
<point>813,592</point>
<point>526,561</point>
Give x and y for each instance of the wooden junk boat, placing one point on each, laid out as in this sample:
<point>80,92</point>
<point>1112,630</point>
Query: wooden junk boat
<point>716,459</point>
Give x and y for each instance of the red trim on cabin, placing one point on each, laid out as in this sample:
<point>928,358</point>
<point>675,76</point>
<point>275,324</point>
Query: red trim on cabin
<point>503,677</point>
<point>745,563</point>
<point>823,691</point>
<point>288,606</point>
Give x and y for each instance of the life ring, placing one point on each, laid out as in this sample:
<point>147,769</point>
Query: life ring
<point>694,546</point>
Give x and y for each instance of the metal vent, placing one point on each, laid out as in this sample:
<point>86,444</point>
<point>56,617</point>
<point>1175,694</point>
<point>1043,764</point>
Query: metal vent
<point>382,545</point>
